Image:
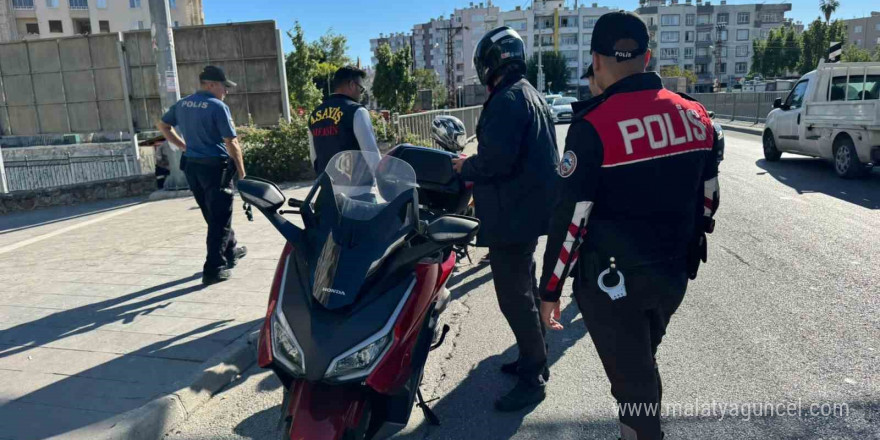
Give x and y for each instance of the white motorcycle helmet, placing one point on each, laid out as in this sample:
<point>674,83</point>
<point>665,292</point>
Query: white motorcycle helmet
<point>449,133</point>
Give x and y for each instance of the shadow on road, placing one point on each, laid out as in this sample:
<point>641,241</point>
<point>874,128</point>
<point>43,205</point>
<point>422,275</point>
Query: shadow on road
<point>19,221</point>
<point>98,385</point>
<point>470,403</point>
<point>808,175</point>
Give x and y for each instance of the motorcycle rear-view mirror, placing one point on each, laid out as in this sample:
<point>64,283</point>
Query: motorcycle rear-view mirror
<point>453,229</point>
<point>263,194</point>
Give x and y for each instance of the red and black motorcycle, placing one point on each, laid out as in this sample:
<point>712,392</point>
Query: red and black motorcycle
<point>358,291</point>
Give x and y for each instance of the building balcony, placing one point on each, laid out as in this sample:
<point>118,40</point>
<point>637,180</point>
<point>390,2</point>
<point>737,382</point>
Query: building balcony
<point>705,27</point>
<point>23,5</point>
<point>703,59</point>
<point>703,43</point>
<point>79,5</point>
<point>705,77</point>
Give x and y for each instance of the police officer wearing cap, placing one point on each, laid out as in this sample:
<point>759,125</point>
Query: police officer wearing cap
<point>213,157</point>
<point>638,192</point>
<point>514,175</point>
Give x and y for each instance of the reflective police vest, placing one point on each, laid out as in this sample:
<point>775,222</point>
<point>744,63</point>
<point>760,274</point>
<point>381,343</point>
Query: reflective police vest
<point>332,128</point>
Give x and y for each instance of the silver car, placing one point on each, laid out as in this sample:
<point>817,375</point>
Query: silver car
<point>560,108</point>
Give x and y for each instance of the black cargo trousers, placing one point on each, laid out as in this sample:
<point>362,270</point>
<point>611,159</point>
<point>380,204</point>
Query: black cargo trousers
<point>516,286</point>
<point>626,333</point>
<point>210,180</point>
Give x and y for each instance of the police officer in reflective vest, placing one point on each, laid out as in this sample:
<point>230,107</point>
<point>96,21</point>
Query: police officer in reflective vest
<point>341,123</point>
<point>213,157</point>
<point>639,189</point>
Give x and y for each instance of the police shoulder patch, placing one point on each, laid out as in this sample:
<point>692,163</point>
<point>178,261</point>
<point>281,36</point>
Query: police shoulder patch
<point>568,164</point>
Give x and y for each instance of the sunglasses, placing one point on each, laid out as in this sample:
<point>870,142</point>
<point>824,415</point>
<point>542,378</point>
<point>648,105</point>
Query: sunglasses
<point>360,87</point>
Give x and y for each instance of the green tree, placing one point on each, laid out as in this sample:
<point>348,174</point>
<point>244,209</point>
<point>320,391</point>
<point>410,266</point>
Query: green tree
<point>301,67</point>
<point>323,77</point>
<point>816,40</point>
<point>394,86</point>
<point>426,79</point>
<point>555,71</point>
<point>791,47</point>
<point>758,48</point>
<point>828,7</point>
<point>673,71</point>
<point>854,54</point>
<point>773,61</point>
<point>331,48</point>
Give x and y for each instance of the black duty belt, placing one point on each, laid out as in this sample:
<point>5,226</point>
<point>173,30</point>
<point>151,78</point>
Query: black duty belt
<point>216,161</point>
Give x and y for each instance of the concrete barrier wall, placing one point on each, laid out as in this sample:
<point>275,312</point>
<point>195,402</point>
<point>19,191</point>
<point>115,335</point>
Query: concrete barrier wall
<point>248,52</point>
<point>79,84</point>
<point>64,85</point>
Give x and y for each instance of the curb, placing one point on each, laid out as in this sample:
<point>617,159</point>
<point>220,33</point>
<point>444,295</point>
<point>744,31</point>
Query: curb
<point>167,195</point>
<point>742,129</point>
<point>153,420</point>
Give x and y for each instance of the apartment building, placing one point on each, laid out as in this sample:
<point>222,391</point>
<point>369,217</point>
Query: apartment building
<point>22,19</point>
<point>864,32</point>
<point>564,28</point>
<point>397,41</point>
<point>548,25</point>
<point>714,41</point>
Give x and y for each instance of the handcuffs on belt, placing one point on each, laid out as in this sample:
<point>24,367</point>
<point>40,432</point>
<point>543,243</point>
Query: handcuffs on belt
<point>614,292</point>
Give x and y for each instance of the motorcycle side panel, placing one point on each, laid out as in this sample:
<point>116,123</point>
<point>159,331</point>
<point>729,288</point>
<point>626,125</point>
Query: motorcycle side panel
<point>324,412</point>
<point>264,344</point>
<point>395,368</point>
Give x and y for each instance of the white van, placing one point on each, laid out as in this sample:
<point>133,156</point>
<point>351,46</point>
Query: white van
<point>832,112</point>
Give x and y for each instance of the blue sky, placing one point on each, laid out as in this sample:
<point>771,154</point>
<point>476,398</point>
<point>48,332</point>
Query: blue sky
<point>361,20</point>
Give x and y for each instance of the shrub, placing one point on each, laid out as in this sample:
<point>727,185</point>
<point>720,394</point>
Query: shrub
<point>279,154</point>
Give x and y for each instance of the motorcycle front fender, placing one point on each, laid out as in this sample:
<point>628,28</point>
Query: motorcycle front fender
<point>320,411</point>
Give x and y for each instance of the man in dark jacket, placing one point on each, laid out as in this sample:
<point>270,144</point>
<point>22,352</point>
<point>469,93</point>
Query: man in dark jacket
<point>341,123</point>
<point>514,175</point>
<point>638,193</point>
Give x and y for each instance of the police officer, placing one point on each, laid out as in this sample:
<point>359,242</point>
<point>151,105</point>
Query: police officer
<point>213,157</point>
<point>514,181</point>
<point>639,189</point>
<point>590,76</point>
<point>341,123</point>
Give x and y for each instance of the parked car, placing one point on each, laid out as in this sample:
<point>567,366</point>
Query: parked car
<point>560,108</point>
<point>832,112</point>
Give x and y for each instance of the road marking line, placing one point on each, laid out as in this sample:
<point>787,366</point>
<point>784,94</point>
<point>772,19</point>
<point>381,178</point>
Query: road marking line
<point>58,232</point>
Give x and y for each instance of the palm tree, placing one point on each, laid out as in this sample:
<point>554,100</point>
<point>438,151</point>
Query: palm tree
<point>828,7</point>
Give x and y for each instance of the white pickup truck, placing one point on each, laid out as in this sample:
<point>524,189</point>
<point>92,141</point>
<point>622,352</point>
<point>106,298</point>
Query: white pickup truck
<point>832,112</point>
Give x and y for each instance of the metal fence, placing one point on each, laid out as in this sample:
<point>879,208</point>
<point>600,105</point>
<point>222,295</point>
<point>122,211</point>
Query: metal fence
<point>748,107</point>
<point>29,174</point>
<point>419,124</point>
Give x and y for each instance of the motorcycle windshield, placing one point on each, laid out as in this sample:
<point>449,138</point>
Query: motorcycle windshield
<point>371,197</point>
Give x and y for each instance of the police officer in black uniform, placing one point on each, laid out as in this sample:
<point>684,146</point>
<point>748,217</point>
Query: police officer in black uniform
<point>341,123</point>
<point>213,157</point>
<point>514,181</point>
<point>638,193</point>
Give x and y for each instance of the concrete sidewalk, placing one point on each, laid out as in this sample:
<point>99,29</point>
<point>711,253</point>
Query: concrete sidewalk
<point>742,127</point>
<point>102,311</point>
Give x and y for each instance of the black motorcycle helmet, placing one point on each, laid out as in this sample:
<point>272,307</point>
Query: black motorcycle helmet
<point>500,47</point>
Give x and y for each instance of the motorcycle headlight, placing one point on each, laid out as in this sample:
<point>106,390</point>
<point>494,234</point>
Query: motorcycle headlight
<point>286,348</point>
<point>360,360</point>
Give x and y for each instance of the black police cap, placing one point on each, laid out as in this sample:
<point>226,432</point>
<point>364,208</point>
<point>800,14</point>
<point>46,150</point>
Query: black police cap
<point>588,73</point>
<point>214,73</point>
<point>613,27</point>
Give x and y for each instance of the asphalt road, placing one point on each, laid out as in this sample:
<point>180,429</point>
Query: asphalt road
<point>784,317</point>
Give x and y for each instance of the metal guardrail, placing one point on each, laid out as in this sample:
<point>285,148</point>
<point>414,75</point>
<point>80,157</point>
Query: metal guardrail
<point>419,124</point>
<point>747,106</point>
<point>46,173</point>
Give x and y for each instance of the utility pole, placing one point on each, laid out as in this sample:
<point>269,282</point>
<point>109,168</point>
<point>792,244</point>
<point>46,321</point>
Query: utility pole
<point>162,39</point>
<point>540,78</point>
<point>451,32</point>
<point>720,27</point>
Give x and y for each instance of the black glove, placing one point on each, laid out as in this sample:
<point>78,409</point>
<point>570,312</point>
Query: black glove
<point>697,252</point>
